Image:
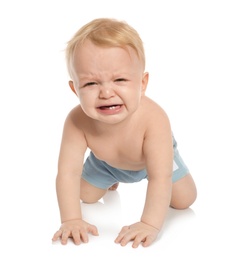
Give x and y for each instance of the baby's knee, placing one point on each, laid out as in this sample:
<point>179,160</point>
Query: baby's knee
<point>184,193</point>
<point>86,201</point>
<point>88,198</point>
<point>184,202</point>
<point>89,193</point>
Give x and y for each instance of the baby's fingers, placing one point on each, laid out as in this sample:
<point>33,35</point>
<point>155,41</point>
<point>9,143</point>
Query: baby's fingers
<point>138,240</point>
<point>64,237</point>
<point>77,237</point>
<point>93,230</point>
<point>57,235</point>
<point>82,234</point>
<point>149,240</point>
<point>122,237</point>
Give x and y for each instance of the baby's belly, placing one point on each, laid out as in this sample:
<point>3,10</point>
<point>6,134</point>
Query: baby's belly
<point>131,164</point>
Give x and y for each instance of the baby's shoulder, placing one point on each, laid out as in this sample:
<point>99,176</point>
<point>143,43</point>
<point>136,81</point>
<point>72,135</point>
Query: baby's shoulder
<point>153,115</point>
<point>76,116</point>
<point>152,108</point>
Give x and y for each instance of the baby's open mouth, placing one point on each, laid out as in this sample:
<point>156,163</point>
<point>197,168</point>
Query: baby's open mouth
<point>112,107</point>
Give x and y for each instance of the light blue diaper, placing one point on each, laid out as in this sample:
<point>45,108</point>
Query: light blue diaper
<point>102,175</point>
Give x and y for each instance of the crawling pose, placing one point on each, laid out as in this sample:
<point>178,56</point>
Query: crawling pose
<point>128,134</point>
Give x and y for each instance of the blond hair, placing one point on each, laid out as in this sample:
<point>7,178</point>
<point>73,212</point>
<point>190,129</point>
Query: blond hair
<point>105,32</point>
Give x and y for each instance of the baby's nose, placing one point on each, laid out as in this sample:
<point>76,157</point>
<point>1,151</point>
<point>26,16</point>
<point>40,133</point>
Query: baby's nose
<point>106,91</point>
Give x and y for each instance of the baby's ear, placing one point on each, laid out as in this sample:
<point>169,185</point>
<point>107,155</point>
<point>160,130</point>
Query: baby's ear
<point>145,80</point>
<point>72,86</point>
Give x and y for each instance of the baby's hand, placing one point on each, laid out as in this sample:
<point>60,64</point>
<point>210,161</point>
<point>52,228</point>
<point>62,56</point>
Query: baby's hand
<point>76,229</point>
<point>138,233</point>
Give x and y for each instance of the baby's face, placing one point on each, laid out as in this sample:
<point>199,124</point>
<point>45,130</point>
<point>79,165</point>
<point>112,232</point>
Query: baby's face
<point>109,81</point>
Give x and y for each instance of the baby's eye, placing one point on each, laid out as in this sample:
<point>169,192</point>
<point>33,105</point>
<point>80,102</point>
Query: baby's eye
<point>89,84</point>
<point>120,79</point>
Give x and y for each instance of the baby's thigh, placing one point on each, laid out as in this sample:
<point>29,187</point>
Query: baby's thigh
<point>90,193</point>
<point>184,193</point>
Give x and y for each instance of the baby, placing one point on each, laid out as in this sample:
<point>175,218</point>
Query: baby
<point>128,134</point>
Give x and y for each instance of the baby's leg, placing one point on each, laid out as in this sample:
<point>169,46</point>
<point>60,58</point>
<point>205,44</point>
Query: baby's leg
<point>114,186</point>
<point>90,193</point>
<point>184,193</point>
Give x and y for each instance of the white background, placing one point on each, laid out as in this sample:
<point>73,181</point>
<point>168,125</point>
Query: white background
<point>188,58</point>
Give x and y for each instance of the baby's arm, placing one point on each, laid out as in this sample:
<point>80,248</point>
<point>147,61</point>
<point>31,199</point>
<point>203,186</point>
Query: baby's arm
<point>158,152</point>
<point>71,158</point>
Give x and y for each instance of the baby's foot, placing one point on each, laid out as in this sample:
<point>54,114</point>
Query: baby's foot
<point>114,186</point>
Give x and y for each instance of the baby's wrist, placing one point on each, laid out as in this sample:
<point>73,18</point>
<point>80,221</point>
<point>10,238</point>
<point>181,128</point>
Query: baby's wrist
<point>152,225</point>
<point>69,220</point>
